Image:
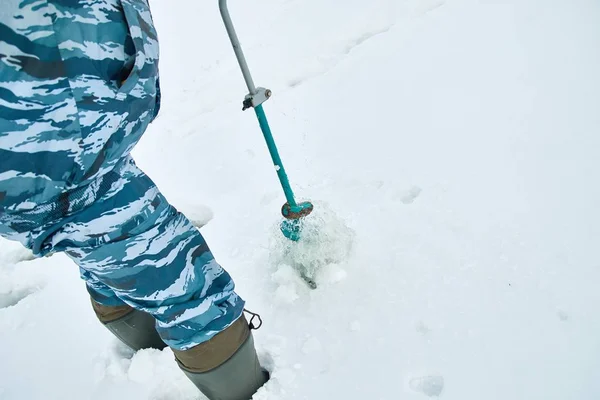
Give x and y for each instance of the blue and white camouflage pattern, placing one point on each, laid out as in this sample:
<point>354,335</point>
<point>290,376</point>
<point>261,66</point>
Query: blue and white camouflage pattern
<point>78,88</point>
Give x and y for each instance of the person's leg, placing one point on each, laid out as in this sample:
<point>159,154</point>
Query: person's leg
<point>210,365</point>
<point>134,328</point>
<point>124,235</point>
<point>135,249</point>
<point>151,256</point>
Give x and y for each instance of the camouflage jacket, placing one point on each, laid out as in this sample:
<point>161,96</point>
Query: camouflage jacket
<point>78,87</point>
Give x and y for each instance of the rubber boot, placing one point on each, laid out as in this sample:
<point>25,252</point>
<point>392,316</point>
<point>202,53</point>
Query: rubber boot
<point>226,367</point>
<point>134,328</point>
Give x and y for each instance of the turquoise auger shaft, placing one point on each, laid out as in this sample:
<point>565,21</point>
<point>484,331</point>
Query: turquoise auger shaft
<point>266,130</point>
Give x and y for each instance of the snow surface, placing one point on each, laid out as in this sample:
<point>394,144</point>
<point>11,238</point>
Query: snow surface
<point>458,139</point>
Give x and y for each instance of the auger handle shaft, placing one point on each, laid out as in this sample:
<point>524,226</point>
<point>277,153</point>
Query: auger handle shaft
<point>237,48</point>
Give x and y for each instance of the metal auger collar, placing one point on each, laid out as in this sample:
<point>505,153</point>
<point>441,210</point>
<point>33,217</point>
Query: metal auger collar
<point>297,211</point>
<point>291,227</point>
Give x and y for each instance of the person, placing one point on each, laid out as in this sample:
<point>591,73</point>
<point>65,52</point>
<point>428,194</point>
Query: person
<point>79,85</point>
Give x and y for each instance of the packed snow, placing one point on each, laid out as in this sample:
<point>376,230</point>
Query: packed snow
<point>453,150</point>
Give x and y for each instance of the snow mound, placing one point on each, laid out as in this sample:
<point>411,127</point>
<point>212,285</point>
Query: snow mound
<point>325,239</point>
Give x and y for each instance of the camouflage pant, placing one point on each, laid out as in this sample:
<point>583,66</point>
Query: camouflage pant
<point>134,248</point>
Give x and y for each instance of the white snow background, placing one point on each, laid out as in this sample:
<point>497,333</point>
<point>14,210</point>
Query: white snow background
<point>459,139</point>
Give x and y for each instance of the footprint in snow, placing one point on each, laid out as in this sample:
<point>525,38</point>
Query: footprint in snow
<point>409,196</point>
<point>422,328</point>
<point>562,315</point>
<point>430,386</point>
